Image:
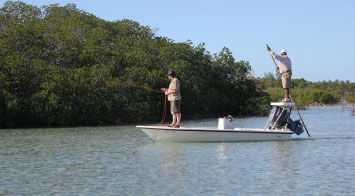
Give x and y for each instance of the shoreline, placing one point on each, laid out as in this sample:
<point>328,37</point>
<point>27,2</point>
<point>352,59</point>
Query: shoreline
<point>332,104</point>
<point>300,107</point>
<point>316,104</point>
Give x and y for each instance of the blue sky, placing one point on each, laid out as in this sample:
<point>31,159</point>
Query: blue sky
<point>319,35</point>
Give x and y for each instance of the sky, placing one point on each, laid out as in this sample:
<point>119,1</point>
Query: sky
<point>319,35</point>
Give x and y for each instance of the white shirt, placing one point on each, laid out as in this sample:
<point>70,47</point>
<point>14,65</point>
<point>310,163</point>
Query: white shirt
<point>285,62</point>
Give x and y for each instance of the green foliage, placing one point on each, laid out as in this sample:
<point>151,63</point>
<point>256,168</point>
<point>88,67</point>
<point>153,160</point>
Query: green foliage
<point>62,66</point>
<point>306,92</point>
<point>350,99</point>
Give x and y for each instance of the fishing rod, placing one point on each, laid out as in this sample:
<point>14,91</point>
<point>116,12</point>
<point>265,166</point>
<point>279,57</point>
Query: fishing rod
<point>267,46</point>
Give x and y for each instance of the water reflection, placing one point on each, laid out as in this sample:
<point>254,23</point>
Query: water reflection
<point>167,165</point>
<point>280,160</point>
<point>280,152</point>
<point>220,152</point>
<point>174,159</point>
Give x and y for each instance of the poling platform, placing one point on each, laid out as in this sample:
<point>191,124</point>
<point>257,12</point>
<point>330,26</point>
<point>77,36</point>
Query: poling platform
<point>283,104</point>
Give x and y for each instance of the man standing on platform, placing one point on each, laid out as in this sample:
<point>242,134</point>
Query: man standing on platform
<point>174,97</point>
<point>285,71</point>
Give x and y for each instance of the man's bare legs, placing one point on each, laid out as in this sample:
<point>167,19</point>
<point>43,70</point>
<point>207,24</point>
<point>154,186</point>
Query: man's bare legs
<point>287,93</point>
<point>174,120</point>
<point>178,118</point>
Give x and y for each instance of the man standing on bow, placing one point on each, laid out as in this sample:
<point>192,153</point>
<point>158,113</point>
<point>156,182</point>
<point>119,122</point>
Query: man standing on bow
<point>174,96</point>
<point>285,71</point>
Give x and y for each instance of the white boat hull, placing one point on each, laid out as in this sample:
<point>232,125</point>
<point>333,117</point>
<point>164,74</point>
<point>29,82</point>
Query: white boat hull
<point>167,134</point>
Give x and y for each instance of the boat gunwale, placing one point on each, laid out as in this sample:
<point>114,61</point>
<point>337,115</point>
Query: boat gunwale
<point>214,130</point>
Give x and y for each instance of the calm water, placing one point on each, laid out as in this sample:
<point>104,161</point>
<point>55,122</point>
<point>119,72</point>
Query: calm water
<point>121,160</point>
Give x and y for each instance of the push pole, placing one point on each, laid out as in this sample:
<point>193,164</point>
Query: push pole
<point>273,60</point>
<point>301,118</point>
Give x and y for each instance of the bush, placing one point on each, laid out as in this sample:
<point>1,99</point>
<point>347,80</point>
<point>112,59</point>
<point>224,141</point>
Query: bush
<point>350,99</point>
<point>62,66</point>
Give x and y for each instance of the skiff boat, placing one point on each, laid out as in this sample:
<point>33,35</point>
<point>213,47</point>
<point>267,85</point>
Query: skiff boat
<point>278,127</point>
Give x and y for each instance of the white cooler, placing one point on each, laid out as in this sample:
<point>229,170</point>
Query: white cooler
<point>225,123</point>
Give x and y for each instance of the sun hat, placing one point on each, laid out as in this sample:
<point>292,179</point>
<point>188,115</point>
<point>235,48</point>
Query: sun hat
<point>172,73</point>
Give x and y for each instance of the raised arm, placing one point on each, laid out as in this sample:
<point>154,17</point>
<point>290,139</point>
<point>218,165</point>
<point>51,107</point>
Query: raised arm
<point>273,53</point>
<point>277,57</point>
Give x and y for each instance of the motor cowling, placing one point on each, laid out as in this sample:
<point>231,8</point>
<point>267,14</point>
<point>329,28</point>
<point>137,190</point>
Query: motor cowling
<point>295,126</point>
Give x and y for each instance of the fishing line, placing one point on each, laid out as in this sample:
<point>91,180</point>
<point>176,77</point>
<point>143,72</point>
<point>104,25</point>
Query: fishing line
<point>148,89</point>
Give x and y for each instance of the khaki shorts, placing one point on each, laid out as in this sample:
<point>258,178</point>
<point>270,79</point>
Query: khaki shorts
<point>175,106</point>
<point>286,79</point>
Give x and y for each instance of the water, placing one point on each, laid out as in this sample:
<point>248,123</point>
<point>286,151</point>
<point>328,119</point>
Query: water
<point>121,160</point>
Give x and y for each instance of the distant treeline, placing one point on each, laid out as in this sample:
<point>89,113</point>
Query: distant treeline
<point>61,66</point>
<point>306,92</point>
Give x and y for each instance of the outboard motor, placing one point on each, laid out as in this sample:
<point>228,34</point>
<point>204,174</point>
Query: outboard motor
<point>280,117</point>
<point>295,126</point>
